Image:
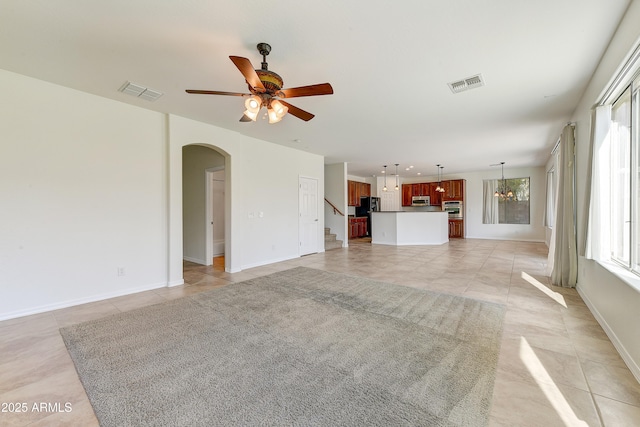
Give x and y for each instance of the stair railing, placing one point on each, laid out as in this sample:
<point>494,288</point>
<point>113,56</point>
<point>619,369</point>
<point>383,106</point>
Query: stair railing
<point>335,209</point>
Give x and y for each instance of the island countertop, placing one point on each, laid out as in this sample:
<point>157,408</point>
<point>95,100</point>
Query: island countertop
<point>409,228</point>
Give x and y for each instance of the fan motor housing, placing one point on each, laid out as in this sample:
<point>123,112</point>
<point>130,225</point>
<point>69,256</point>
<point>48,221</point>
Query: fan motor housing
<point>271,81</point>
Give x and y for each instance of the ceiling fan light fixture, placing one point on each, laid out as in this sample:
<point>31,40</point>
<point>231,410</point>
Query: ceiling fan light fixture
<point>253,105</point>
<point>251,114</point>
<point>273,116</point>
<point>280,109</point>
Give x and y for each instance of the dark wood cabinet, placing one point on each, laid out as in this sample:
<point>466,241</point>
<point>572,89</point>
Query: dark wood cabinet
<point>456,228</point>
<point>407,192</point>
<point>436,196</point>
<point>364,189</point>
<point>357,227</point>
<point>353,197</point>
<point>453,189</point>
<point>356,190</point>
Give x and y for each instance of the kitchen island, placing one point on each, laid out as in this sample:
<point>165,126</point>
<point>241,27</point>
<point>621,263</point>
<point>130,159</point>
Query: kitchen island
<point>409,228</point>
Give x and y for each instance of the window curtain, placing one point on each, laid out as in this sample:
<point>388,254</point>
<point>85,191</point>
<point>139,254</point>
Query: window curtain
<point>549,198</point>
<point>564,270</point>
<point>597,240</point>
<point>490,202</point>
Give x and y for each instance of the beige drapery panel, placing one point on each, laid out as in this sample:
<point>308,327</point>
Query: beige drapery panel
<point>564,260</point>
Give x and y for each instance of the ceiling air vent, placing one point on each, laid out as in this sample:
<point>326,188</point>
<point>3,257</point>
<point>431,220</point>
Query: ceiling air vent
<point>466,84</point>
<point>138,91</point>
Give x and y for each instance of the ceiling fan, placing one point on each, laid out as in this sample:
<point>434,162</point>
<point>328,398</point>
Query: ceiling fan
<point>265,89</point>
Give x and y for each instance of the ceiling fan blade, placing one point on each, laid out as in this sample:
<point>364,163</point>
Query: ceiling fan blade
<point>216,92</point>
<point>312,90</point>
<point>249,73</point>
<point>299,113</point>
<point>244,119</point>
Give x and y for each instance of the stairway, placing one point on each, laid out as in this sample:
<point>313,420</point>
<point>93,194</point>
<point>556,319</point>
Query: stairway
<point>330,241</point>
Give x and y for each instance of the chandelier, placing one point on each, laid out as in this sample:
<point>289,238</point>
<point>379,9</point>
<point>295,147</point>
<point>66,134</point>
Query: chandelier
<point>502,191</point>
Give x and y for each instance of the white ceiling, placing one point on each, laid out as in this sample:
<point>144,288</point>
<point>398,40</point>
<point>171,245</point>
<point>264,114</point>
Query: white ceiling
<point>389,64</point>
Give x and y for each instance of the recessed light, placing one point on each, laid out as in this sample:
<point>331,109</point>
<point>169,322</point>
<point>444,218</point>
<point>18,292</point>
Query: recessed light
<point>419,173</point>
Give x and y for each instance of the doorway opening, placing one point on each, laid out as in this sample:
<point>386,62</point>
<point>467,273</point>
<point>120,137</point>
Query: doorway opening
<point>205,203</point>
<point>218,263</point>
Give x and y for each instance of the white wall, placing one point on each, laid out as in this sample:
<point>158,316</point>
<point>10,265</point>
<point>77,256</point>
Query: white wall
<point>335,190</point>
<point>614,303</point>
<point>534,231</point>
<point>83,193</point>
<point>89,186</point>
<point>260,177</point>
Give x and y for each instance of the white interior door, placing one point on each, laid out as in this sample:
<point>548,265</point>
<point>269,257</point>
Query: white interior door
<point>308,226</point>
<point>218,212</point>
<point>215,219</point>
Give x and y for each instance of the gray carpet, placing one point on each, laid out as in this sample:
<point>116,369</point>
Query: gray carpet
<point>301,347</point>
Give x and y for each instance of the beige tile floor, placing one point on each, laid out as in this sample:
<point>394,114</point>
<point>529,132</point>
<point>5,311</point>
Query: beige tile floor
<point>556,368</point>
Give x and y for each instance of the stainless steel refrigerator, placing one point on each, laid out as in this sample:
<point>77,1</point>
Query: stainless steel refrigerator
<point>368,205</point>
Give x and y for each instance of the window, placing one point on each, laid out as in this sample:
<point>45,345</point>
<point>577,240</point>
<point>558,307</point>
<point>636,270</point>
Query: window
<point>624,182</point>
<point>635,138</point>
<point>620,178</point>
<point>550,203</point>
<point>513,209</point>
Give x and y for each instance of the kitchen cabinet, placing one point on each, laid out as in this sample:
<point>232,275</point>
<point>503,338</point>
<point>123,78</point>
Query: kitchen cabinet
<point>410,190</point>
<point>436,196</point>
<point>453,189</point>
<point>357,227</point>
<point>456,228</point>
<point>356,190</point>
<point>407,193</point>
<point>353,196</point>
<point>420,189</point>
<point>364,189</point>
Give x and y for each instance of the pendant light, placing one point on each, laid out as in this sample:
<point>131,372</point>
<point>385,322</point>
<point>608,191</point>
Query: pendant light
<point>397,186</point>
<point>440,188</point>
<point>385,178</point>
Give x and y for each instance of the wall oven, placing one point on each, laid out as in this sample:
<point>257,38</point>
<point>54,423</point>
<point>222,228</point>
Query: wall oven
<point>453,208</point>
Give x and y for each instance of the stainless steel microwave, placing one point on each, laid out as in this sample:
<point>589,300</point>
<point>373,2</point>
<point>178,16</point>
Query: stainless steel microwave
<point>454,208</point>
<point>421,201</point>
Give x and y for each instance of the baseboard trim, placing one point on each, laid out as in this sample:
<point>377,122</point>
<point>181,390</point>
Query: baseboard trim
<point>175,283</point>
<point>507,239</point>
<point>196,260</point>
<point>79,301</point>
<point>267,262</point>
<point>628,360</point>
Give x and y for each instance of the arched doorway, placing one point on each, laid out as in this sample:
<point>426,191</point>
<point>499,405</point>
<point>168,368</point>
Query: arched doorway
<point>204,195</point>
